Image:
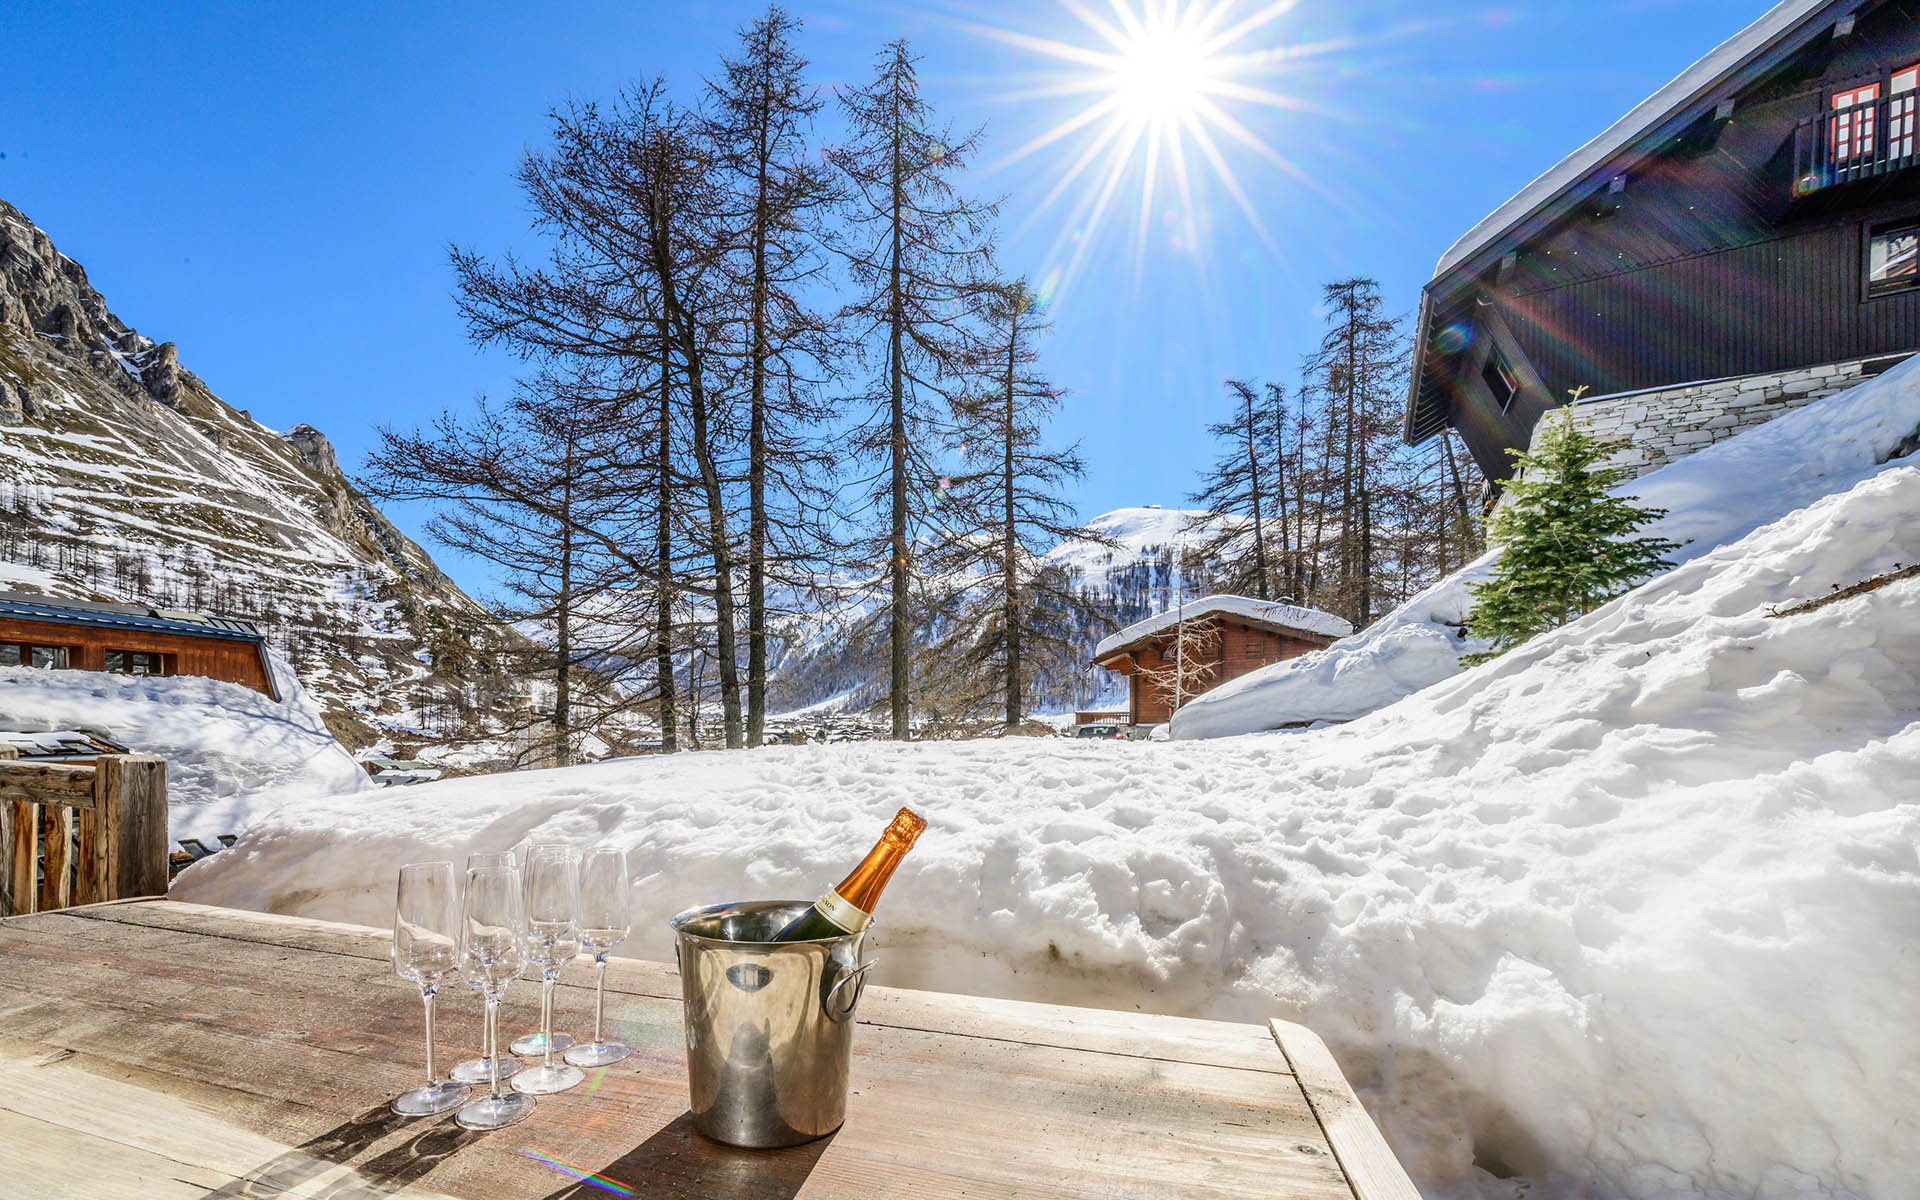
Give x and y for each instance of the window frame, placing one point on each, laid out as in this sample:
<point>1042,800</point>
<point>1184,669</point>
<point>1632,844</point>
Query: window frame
<point>1496,364</point>
<point>161,662</point>
<point>63,655</point>
<point>1882,227</point>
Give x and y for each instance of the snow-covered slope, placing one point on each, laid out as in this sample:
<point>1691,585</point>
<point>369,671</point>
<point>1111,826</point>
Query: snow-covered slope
<point>232,753</point>
<point>123,477</point>
<point>1627,913</point>
<point>1712,497</point>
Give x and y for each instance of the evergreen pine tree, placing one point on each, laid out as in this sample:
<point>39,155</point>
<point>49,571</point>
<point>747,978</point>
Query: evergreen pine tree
<point>1566,544</point>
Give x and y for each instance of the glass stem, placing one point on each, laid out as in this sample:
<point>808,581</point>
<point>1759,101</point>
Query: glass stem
<point>546,1016</point>
<point>426,999</point>
<point>493,1060</point>
<point>599,993</point>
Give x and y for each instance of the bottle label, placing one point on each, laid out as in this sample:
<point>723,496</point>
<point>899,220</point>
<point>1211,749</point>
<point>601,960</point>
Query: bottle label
<point>848,916</point>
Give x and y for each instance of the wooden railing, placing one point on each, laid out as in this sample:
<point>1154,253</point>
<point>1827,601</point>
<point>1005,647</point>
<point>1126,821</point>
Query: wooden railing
<point>80,834</point>
<point>1874,137</point>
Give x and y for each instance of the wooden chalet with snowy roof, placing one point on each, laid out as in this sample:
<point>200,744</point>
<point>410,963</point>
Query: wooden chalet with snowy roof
<point>1742,243</point>
<point>1176,655</point>
<point>130,639</point>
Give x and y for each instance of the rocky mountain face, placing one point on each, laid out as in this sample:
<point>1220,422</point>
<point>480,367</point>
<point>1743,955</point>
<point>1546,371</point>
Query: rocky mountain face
<point>123,477</point>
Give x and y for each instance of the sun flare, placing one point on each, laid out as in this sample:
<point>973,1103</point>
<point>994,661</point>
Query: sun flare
<point>1162,76</point>
<point>1162,85</point>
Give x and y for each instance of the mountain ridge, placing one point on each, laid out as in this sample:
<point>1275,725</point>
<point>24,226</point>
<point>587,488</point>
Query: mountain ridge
<point>124,477</point>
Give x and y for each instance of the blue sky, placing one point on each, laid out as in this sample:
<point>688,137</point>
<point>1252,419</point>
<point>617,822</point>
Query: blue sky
<point>274,187</point>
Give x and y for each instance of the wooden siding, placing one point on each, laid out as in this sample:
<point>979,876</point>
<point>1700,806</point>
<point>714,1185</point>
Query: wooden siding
<point>216,658</point>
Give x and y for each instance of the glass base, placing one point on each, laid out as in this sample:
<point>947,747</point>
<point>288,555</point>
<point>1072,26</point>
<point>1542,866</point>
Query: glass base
<point>474,1070</point>
<point>534,1045</point>
<point>598,1054</point>
<point>435,1097</point>
<point>487,1113</point>
<point>541,1081</point>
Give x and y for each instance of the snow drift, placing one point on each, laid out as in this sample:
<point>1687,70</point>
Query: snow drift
<point>1628,913</point>
<point>1712,497</point>
<point>232,753</point>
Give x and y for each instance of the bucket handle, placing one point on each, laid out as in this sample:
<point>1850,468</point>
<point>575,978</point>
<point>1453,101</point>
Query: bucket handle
<point>858,973</point>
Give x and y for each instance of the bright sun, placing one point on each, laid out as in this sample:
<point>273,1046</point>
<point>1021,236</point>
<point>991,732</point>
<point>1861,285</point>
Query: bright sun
<point>1162,76</point>
<point>1159,80</point>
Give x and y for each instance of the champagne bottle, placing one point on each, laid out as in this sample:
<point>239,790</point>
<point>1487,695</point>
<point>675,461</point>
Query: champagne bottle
<point>848,908</point>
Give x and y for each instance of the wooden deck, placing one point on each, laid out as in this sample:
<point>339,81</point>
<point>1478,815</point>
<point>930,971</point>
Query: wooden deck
<point>151,1048</point>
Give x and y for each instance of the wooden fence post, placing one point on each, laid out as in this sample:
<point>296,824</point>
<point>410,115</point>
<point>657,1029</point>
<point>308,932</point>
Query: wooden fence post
<point>7,890</point>
<point>129,849</point>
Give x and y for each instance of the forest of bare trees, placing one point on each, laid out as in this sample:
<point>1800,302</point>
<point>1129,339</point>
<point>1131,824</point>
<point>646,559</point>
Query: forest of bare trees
<point>1328,507</point>
<point>768,376</point>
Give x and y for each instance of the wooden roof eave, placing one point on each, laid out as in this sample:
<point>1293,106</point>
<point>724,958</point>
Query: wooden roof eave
<point>1455,281</point>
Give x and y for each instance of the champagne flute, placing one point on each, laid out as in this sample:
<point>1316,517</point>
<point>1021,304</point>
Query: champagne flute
<point>537,1042</point>
<point>604,924</point>
<point>552,882</point>
<point>479,1070</point>
<point>493,950</point>
<point>426,938</point>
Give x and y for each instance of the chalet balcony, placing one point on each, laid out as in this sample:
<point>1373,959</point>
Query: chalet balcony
<point>1876,136</point>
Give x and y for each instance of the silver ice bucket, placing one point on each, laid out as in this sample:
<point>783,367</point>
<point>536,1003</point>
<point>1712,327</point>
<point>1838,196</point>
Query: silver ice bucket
<point>769,1024</point>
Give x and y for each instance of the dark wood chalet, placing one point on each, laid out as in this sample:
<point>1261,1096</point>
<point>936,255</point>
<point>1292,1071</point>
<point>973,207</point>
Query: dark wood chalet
<point>1756,220</point>
<point>1227,636</point>
<point>127,639</point>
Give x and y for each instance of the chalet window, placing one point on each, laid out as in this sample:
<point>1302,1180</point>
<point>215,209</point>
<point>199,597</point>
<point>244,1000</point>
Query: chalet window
<point>46,658</point>
<point>1852,126</point>
<point>1903,109</point>
<point>136,662</point>
<point>1893,258</point>
<point>1500,380</point>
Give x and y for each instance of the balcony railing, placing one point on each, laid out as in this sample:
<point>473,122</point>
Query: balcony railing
<point>1875,137</point>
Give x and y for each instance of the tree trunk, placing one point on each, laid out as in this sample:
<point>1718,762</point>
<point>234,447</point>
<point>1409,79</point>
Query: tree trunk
<point>757,452</point>
<point>727,666</point>
<point>896,369</point>
<point>563,619</point>
<point>663,564</point>
<point>1009,544</point>
<point>1253,487</point>
<point>1287,566</point>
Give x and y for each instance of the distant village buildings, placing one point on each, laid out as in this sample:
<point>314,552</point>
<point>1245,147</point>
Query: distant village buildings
<point>1741,244</point>
<point>1195,647</point>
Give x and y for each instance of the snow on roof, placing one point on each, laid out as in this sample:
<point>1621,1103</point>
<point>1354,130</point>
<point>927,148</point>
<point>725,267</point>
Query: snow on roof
<point>1728,57</point>
<point>1267,612</point>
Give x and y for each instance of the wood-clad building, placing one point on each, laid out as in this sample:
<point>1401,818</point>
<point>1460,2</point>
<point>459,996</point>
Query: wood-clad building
<point>1225,638</point>
<point>126,639</point>
<point>1746,240</point>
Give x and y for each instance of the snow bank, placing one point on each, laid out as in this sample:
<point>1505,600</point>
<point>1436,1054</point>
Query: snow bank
<point>1271,612</point>
<point>1712,497</point>
<point>232,753</point>
<point>1630,912</point>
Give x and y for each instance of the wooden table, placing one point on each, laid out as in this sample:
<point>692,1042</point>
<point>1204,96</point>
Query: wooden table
<point>152,1048</point>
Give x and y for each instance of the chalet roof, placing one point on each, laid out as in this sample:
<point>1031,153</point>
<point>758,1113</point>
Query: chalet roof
<point>1693,84</point>
<point>27,607</point>
<point>1270,614</point>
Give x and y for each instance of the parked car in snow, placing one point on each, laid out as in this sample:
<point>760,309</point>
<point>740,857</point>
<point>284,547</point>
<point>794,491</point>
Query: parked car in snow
<point>1102,732</point>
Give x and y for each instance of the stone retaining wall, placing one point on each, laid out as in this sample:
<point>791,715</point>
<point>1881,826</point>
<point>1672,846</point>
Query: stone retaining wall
<point>1672,423</point>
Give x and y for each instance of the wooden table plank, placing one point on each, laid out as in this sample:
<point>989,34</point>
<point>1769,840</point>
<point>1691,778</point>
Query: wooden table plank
<point>262,1050</point>
<point>1371,1168</point>
<point>1185,1039</point>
